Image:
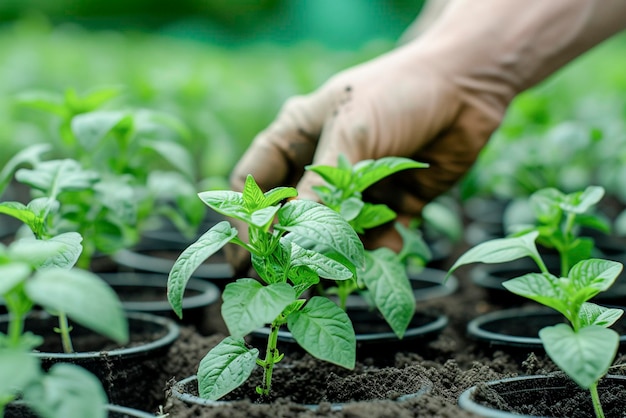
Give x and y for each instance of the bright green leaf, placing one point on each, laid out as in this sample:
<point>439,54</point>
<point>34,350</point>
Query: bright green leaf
<point>249,305</point>
<point>595,273</point>
<point>367,174</point>
<point>540,287</point>
<point>18,368</point>
<point>316,223</point>
<point>278,194</point>
<point>192,257</point>
<point>324,266</point>
<point>13,274</point>
<point>253,196</point>
<point>582,201</point>
<point>500,250</point>
<point>585,356</point>
<point>325,331</point>
<point>30,155</point>
<point>226,367</point>
<point>85,297</point>
<point>592,314</point>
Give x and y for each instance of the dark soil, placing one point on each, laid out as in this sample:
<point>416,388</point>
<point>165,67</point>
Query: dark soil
<point>446,366</point>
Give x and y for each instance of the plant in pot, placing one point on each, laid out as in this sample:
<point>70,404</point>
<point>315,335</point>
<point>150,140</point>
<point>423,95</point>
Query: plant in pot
<point>583,347</point>
<point>39,273</point>
<point>151,336</point>
<point>103,208</point>
<point>558,219</point>
<point>384,282</point>
<point>292,245</point>
<point>138,152</point>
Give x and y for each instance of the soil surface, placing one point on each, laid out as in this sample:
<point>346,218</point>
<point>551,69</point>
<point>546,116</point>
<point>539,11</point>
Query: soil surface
<point>442,368</point>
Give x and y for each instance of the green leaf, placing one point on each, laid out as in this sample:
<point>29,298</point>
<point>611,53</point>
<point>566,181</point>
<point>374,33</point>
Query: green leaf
<point>253,196</point>
<point>443,219</point>
<point>19,369</point>
<point>261,218</point>
<point>339,177</point>
<point>43,100</point>
<point>57,176</point>
<point>372,215</point>
<point>595,273</point>
<point>585,356</point>
<point>581,202</point>
<point>69,252</point>
<point>60,252</point>
<point>592,314</point>
<point>226,202</point>
<point>278,194</point>
<point>91,128</point>
<point>385,277</point>
<point>366,173</point>
<point>545,203</point>
<point>30,155</point>
<point>18,211</point>
<point>226,367</point>
<point>500,250</point>
<point>542,288</point>
<point>67,391</point>
<point>316,223</point>
<point>413,244</point>
<point>192,257</point>
<point>324,266</point>
<point>325,331</point>
<point>13,274</point>
<point>85,297</point>
<point>350,208</point>
<point>174,153</point>
<point>249,305</point>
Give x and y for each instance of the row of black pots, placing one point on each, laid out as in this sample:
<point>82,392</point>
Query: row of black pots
<point>126,372</point>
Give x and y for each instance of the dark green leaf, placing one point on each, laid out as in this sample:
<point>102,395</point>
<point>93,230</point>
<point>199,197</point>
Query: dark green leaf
<point>385,278</point>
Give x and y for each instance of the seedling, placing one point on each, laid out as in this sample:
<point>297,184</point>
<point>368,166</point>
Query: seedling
<point>292,245</point>
<point>558,218</point>
<point>585,347</point>
<point>38,272</point>
<point>384,278</point>
<point>138,154</point>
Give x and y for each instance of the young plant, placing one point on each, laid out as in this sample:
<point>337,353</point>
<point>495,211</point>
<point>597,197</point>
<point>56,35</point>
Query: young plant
<point>384,280</point>
<point>292,245</point>
<point>138,155</point>
<point>585,347</point>
<point>38,272</point>
<point>558,218</point>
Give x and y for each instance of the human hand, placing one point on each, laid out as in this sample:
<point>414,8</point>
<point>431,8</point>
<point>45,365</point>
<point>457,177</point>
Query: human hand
<point>435,100</point>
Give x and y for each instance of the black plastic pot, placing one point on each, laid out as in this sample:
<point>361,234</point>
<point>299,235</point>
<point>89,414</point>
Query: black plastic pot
<point>547,395</point>
<point>20,410</point>
<point>374,337</point>
<point>153,259</point>
<point>147,292</point>
<point>186,391</point>
<point>427,283</point>
<point>127,373</point>
<point>516,330</point>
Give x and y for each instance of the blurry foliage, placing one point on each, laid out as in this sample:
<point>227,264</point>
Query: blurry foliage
<point>337,24</point>
<point>224,95</point>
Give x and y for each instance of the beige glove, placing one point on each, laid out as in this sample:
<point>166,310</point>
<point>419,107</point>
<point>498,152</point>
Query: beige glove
<point>436,99</point>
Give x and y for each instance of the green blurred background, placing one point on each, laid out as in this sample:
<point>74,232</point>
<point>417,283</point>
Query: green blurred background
<point>224,67</point>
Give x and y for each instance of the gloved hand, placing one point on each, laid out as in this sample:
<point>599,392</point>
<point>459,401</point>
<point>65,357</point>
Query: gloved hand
<point>436,99</point>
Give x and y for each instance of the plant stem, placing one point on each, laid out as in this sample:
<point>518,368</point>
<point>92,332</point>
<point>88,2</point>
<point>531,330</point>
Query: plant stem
<point>16,328</point>
<point>64,329</point>
<point>271,357</point>
<point>597,407</point>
